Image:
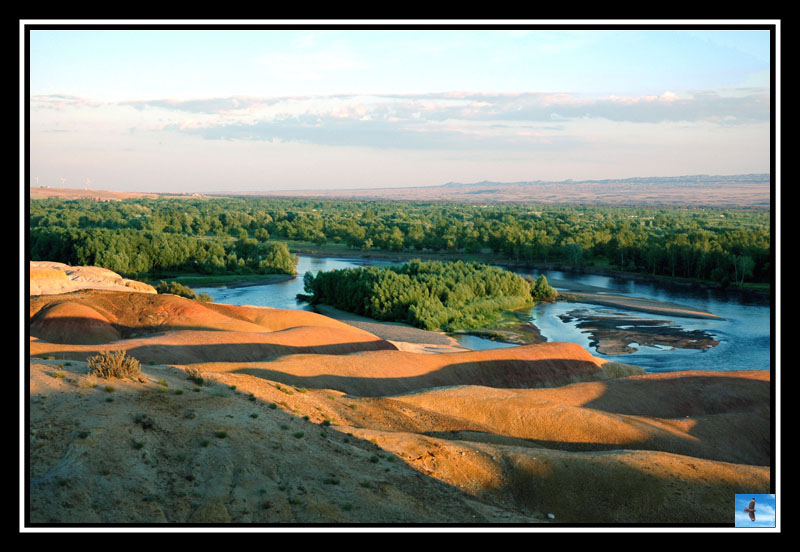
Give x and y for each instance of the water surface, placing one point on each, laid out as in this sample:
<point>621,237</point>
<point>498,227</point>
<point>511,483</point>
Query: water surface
<point>744,333</point>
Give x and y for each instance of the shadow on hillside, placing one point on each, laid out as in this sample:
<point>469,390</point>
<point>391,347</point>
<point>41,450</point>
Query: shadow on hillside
<point>731,415</point>
<point>511,373</point>
<point>73,326</point>
<point>688,395</point>
<point>601,487</point>
<point>221,352</point>
<point>726,418</point>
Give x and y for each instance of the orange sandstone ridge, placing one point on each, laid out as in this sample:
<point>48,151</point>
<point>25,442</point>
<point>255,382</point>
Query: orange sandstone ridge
<point>293,417</point>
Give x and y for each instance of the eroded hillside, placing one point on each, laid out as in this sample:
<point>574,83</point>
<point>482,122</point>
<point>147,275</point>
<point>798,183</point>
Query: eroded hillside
<point>258,415</point>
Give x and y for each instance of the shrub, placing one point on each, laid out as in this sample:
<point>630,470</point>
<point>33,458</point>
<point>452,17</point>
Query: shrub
<point>114,364</point>
<point>194,375</point>
<point>176,288</point>
<point>541,290</point>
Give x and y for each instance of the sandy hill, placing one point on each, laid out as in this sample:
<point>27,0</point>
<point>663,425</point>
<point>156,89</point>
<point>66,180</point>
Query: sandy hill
<point>267,416</point>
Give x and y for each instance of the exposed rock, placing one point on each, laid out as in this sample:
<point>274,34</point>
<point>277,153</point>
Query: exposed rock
<point>47,278</point>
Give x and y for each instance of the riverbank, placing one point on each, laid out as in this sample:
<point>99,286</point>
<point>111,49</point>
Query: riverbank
<point>516,328</point>
<point>235,280</point>
<point>345,252</point>
<point>580,294</point>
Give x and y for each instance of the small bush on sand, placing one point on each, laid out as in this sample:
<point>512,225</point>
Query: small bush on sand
<point>114,364</point>
<point>194,375</point>
<point>176,288</point>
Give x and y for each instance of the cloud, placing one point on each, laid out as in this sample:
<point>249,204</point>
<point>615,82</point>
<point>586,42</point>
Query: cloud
<point>754,105</point>
<point>457,120</point>
<point>62,101</point>
<point>205,105</point>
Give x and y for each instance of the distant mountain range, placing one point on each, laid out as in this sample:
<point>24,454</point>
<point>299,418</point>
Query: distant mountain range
<point>751,191</point>
<point>763,178</point>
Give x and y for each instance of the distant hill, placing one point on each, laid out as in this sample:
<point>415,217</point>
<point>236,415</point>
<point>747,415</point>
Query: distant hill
<point>752,191</point>
<point>42,192</point>
<point>678,180</point>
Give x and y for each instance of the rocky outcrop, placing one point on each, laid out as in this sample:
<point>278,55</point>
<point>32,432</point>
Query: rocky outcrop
<point>49,278</point>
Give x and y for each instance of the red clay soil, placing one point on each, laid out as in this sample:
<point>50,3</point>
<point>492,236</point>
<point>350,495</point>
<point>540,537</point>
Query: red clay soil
<point>141,313</point>
<point>382,373</point>
<point>73,322</point>
<point>638,412</point>
<point>363,432</point>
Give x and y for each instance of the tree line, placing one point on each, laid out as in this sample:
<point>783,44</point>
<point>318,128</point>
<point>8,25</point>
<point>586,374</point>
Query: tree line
<point>139,252</point>
<point>727,246</point>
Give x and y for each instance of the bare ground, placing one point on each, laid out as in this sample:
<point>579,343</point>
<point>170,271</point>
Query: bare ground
<point>301,419</point>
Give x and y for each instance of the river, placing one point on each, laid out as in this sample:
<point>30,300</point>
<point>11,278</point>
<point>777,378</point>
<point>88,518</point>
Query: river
<point>744,331</point>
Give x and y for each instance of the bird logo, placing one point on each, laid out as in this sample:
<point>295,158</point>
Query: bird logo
<point>751,509</point>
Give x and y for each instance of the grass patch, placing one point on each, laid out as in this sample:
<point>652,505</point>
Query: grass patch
<point>194,375</point>
<point>144,420</point>
<point>114,364</point>
<point>87,382</point>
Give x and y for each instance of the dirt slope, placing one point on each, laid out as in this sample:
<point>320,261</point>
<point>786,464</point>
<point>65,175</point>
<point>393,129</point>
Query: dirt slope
<point>297,418</point>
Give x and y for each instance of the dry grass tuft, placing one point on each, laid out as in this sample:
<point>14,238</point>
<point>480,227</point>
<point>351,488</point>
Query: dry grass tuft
<point>114,365</point>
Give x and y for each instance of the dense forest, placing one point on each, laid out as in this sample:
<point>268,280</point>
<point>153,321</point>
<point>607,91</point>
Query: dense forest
<point>430,295</point>
<point>241,235</point>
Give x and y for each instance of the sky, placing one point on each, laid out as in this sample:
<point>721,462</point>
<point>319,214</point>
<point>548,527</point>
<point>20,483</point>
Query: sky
<point>183,109</point>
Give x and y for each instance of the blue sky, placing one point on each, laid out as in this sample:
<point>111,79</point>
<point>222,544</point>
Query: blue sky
<point>179,109</point>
